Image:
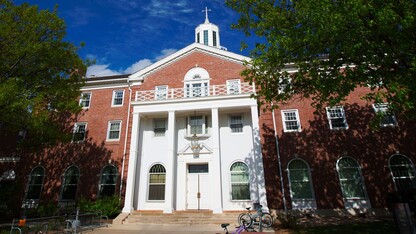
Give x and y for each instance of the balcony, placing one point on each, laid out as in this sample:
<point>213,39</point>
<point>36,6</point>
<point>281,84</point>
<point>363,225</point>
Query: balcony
<point>193,92</point>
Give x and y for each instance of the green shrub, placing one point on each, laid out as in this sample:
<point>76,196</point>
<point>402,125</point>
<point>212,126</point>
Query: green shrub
<point>109,206</point>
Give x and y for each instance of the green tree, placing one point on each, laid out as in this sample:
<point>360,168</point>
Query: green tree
<point>40,77</point>
<point>335,47</point>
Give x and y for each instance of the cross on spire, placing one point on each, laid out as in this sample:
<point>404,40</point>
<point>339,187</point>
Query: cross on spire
<point>206,14</point>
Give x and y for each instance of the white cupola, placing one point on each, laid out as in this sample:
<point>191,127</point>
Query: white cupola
<point>208,33</point>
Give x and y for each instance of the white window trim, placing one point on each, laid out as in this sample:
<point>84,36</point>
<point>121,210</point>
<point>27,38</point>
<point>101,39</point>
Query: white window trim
<point>74,130</point>
<point>231,183</point>
<point>330,119</point>
<point>148,184</point>
<point>382,108</point>
<point>302,200</point>
<point>297,120</point>
<point>114,96</point>
<point>395,178</point>
<point>154,127</point>
<point>82,99</point>
<point>109,127</point>
<point>204,126</point>
<point>242,122</point>
<point>231,84</point>
<point>361,179</point>
<point>159,94</point>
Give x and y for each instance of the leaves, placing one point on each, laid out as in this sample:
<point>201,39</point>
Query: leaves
<point>40,74</point>
<point>334,47</point>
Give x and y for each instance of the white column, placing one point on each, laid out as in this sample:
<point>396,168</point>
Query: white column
<point>215,168</point>
<point>131,173</point>
<point>170,165</point>
<point>258,158</point>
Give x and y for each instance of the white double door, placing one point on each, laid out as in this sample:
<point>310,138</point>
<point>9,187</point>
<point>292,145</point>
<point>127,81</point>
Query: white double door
<point>198,187</point>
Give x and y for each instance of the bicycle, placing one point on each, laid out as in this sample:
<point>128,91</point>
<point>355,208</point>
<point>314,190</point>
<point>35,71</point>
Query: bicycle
<point>238,230</point>
<point>260,218</point>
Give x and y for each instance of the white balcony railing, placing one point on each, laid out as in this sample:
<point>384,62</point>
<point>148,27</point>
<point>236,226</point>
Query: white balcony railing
<point>179,93</point>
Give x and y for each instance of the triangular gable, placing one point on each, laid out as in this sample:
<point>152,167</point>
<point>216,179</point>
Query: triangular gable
<point>139,75</point>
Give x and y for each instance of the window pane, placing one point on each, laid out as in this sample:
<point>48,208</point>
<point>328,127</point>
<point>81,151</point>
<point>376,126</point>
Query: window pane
<point>403,173</point>
<point>157,192</point>
<point>157,179</point>
<point>118,97</point>
<point>240,181</point>
<point>240,192</point>
<point>301,190</point>
<point>299,176</point>
<point>350,178</point>
<point>70,184</point>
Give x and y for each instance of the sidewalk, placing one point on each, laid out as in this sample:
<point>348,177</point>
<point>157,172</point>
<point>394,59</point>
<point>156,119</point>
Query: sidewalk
<point>165,228</point>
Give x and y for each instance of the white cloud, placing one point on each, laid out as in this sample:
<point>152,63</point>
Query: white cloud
<point>100,70</point>
<point>104,70</point>
<point>165,53</point>
<point>137,66</point>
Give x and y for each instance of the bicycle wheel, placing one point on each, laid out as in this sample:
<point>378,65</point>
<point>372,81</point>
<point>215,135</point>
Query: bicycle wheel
<point>266,220</point>
<point>245,220</point>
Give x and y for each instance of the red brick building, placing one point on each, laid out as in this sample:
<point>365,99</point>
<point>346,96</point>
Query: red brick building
<point>135,139</point>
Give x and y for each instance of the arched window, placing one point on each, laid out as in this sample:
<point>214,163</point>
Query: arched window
<point>196,82</point>
<point>70,184</point>
<point>350,177</point>
<point>300,180</point>
<point>240,187</point>
<point>108,181</point>
<point>157,180</point>
<point>403,172</point>
<point>35,183</point>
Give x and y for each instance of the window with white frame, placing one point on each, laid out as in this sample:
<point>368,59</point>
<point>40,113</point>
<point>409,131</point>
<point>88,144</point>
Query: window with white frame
<point>291,121</point>
<point>118,96</point>
<point>196,83</point>
<point>114,128</point>
<point>236,123</point>
<point>285,83</point>
<point>336,117</point>
<point>161,92</point>
<point>300,180</point>
<point>197,125</point>
<point>70,184</point>
<point>85,100</point>
<point>157,181</point>
<point>159,127</point>
<point>387,118</point>
<point>108,181</point>
<point>240,186</point>
<point>233,87</point>
<point>35,183</point>
<point>79,132</point>
<point>351,180</point>
<point>403,172</point>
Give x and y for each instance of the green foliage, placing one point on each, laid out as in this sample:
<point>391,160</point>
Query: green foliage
<point>109,206</point>
<point>40,75</point>
<point>47,209</point>
<point>335,47</point>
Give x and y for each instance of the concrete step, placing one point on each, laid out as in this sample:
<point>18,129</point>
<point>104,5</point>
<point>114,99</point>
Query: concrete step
<point>181,218</point>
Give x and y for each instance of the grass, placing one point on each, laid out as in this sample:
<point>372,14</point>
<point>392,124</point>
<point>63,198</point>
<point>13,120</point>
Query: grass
<point>359,228</point>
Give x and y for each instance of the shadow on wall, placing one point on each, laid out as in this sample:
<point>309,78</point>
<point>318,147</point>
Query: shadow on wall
<point>321,147</point>
<point>89,156</point>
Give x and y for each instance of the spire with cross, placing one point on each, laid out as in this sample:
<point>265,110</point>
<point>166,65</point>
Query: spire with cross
<point>206,15</point>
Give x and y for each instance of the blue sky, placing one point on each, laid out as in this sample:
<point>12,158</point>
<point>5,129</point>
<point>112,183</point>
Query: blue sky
<point>124,36</point>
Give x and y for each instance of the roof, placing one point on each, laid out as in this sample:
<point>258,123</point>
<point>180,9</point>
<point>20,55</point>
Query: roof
<point>139,75</point>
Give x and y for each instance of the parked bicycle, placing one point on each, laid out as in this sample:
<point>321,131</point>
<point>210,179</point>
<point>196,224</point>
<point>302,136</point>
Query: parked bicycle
<point>238,230</point>
<point>260,218</point>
